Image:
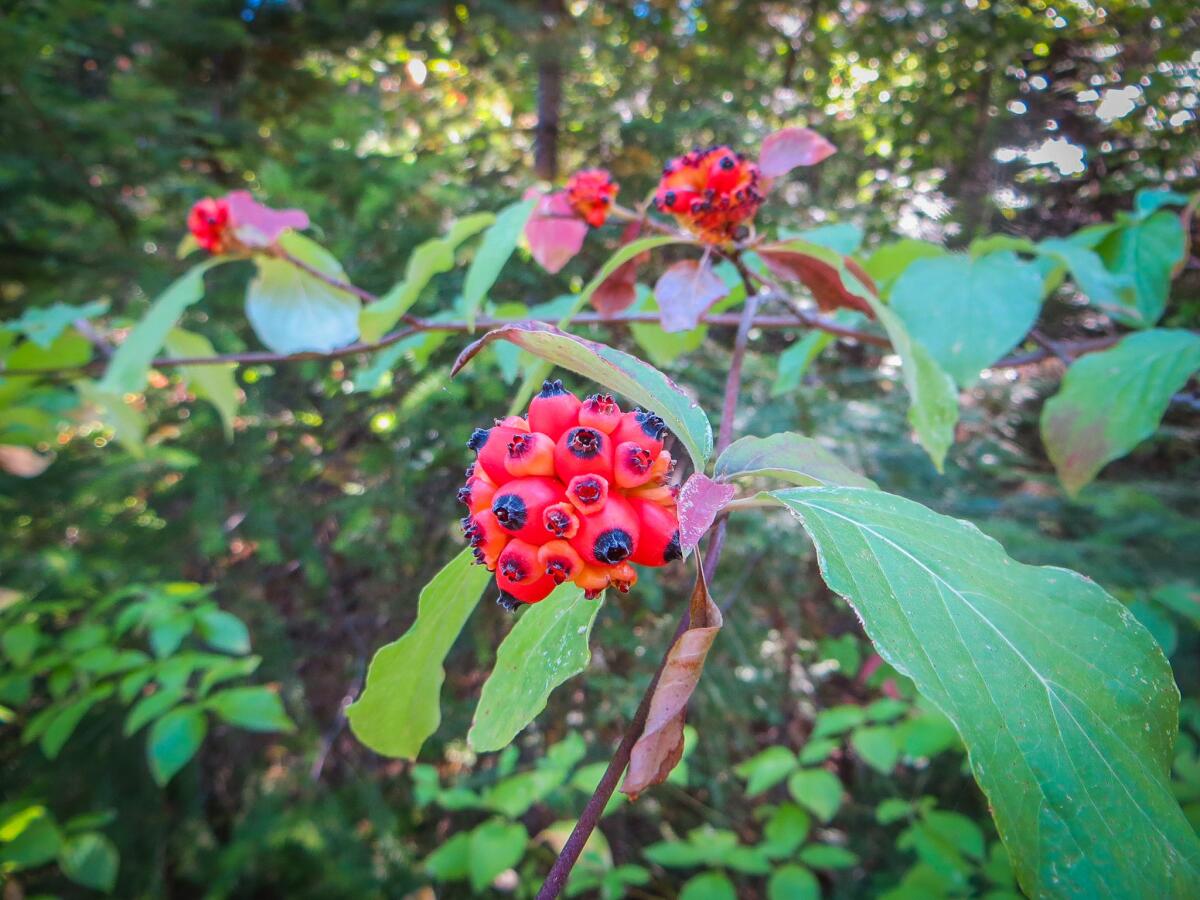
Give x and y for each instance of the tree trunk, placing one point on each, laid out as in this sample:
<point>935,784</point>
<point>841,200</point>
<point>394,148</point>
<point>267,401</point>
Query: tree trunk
<point>549,92</point>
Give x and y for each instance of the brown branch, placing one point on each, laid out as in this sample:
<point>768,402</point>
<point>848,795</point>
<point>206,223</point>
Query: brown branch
<point>364,295</point>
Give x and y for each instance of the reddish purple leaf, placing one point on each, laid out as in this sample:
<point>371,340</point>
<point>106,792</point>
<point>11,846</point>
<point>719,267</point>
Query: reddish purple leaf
<point>260,226</point>
<point>554,232</point>
<point>791,147</point>
<point>822,278</point>
<point>685,292</point>
<point>700,498</point>
<point>619,290</point>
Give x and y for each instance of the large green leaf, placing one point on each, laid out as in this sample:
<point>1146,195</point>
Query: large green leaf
<point>1108,290</point>
<point>434,257</point>
<point>1146,251</point>
<point>968,312</point>
<point>495,845</point>
<point>90,859</point>
<point>130,364</point>
<point>1067,707</point>
<point>213,383</point>
<point>1111,401</point>
<point>789,457</point>
<point>255,708</point>
<point>614,369</point>
<point>292,311</point>
<point>497,246</point>
<point>548,645</point>
<point>400,703</point>
<point>887,263</point>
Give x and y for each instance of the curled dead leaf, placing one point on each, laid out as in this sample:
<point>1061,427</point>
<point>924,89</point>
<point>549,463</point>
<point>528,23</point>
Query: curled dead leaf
<point>660,747</point>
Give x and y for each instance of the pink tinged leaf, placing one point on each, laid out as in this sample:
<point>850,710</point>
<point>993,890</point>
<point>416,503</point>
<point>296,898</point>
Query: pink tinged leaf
<point>822,279</point>
<point>700,499</point>
<point>660,747</point>
<point>260,226</point>
<point>685,292</point>
<point>791,147</point>
<point>23,462</point>
<point>619,290</point>
<point>554,232</point>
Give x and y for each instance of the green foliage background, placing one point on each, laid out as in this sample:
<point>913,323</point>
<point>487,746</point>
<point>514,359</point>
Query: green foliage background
<point>335,501</point>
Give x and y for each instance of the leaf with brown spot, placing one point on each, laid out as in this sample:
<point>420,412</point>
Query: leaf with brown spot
<point>660,747</point>
<point>820,270</point>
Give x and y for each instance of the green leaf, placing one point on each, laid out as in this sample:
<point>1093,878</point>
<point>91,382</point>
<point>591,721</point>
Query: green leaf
<point>1146,251</point>
<point>1105,289</point>
<point>513,796</point>
<point>957,830</point>
<point>28,838</point>
<point>887,263</point>
<point>838,719</point>
<point>893,810</point>
<point>793,883</point>
<point>128,425</point>
<point>818,791</point>
<point>825,856</point>
<point>174,740</point>
<point>292,311</point>
<point>253,708</point>
<point>709,886</point>
<point>130,364</point>
<point>90,859</point>
<point>496,845</point>
<point>660,347</point>
<point>788,456</point>
<point>766,769</point>
<point>817,751</point>
<point>844,237</point>
<point>877,746</point>
<point>19,643</point>
<point>1065,703</point>
<point>786,830</point>
<point>432,258</point>
<point>1150,201</point>
<point>548,645</point>
<point>677,855</point>
<point>968,312</point>
<point>933,399</point>
<point>168,633</point>
<point>399,706</point>
<point>613,369</point>
<point>795,360</point>
<point>223,631</point>
<point>63,725</point>
<point>451,861</point>
<point>44,324</point>
<point>623,254</point>
<point>1112,400</point>
<point>495,248</point>
<point>69,350</point>
<point>214,383</point>
<point>150,708</point>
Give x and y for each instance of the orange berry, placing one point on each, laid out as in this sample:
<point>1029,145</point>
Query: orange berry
<point>561,520</point>
<point>518,574</point>
<point>559,560</point>
<point>643,428</point>
<point>632,465</point>
<point>588,493</point>
<point>486,537</point>
<point>600,411</point>
<point>529,453</point>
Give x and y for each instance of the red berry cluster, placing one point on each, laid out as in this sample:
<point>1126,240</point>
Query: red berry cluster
<point>577,491</point>
<point>712,193</point>
<point>210,224</point>
<point>590,193</point>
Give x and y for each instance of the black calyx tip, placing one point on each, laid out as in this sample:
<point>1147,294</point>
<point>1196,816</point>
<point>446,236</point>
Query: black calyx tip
<point>674,551</point>
<point>478,438</point>
<point>669,198</point>
<point>513,570</point>
<point>464,495</point>
<point>552,388</point>
<point>507,602</point>
<point>727,163</point>
<point>613,545</point>
<point>652,425</point>
<point>510,512</point>
<point>584,442</point>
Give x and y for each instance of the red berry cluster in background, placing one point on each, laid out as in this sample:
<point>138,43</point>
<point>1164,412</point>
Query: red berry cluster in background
<point>576,491</point>
<point>209,222</point>
<point>590,192</point>
<point>712,193</point>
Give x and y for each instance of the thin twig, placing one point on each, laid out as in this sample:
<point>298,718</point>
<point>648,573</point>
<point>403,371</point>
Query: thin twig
<point>557,877</point>
<point>362,294</point>
<point>1040,338</point>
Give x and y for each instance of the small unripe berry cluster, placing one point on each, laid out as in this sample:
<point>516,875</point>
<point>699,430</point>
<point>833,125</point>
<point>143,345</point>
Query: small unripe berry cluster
<point>590,193</point>
<point>575,491</point>
<point>713,193</point>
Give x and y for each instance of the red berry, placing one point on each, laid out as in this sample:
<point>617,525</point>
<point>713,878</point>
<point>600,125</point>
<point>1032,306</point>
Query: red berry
<point>477,492</point>
<point>561,520</point>
<point>519,506</point>
<point>631,465</point>
<point>588,493</point>
<point>559,560</point>
<point>600,411</point>
<point>210,224</point>
<point>491,450</point>
<point>518,574</point>
<point>553,410</point>
<point>529,453</point>
<point>658,539</point>
<point>583,451</point>
<point>486,537</point>
<point>724,170</point>
<point>643,428</point>
<point>609,536</point>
